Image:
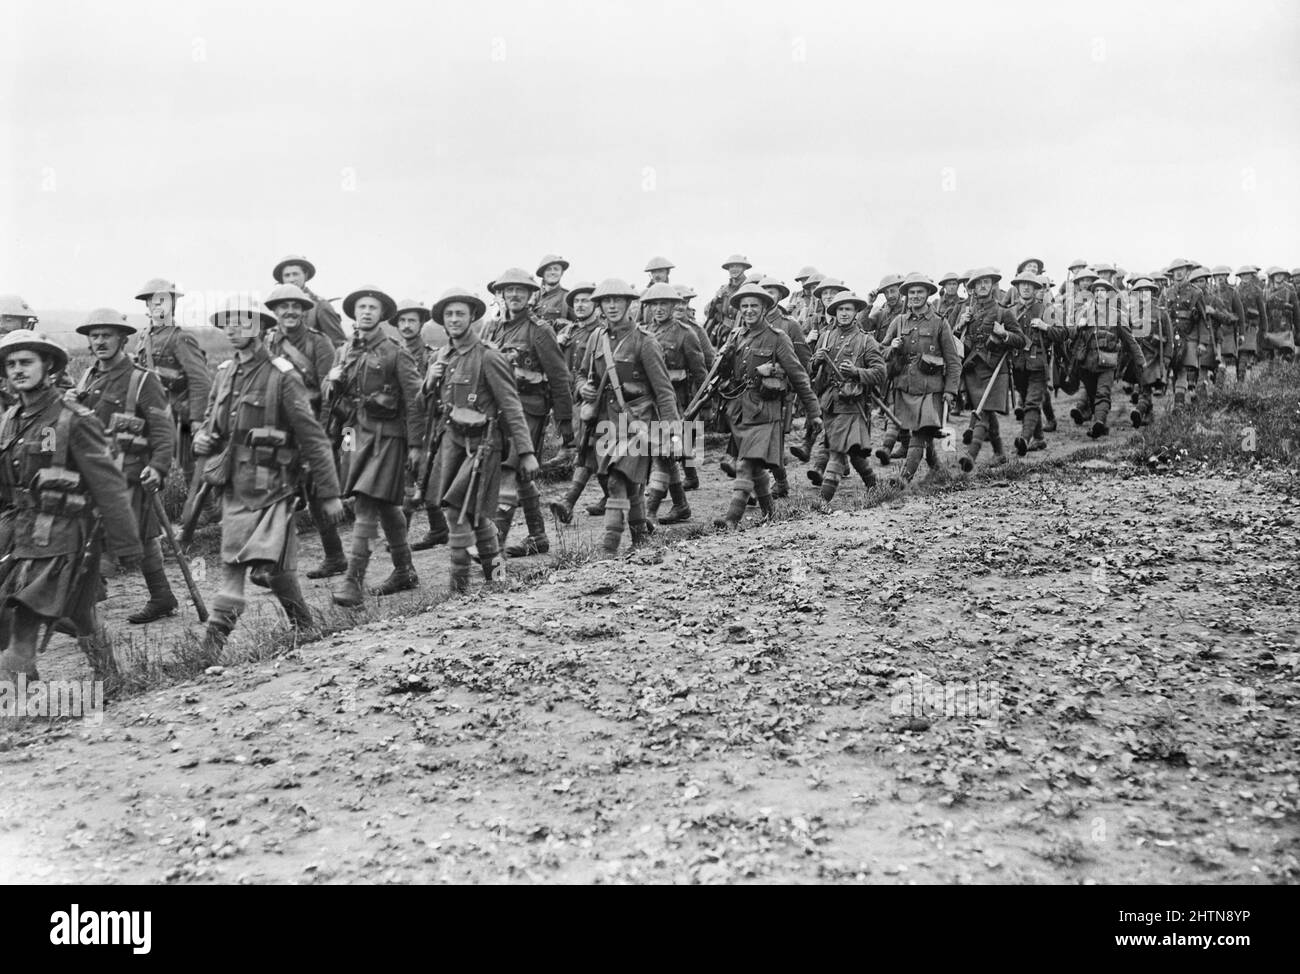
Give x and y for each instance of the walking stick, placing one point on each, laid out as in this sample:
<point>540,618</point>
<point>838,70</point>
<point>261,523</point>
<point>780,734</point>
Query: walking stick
<point>181,560</point>
<point>988,387</point>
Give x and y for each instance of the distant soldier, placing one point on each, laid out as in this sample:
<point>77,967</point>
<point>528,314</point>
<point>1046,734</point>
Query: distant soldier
<point>311,353</point>
<point>478,411</point>
<point>847,367</point>
<point>15,313</point>
<point>1255,320</point>
<point>802,304</point>
<point>684,360</point>
<point>924,369</point>
<point>574,340</point>
<point>1226,310</point>
<point>659,268</point>
<point>64,502</point>
<point>1193,331</point>
<point>543,381</point>
<point>1032,266</point>
<point>875,321</point>
<point>1037,320</point>
<point>684,313</point>
<point>947,304</point>
<point>175,355</point>
<point>628,383</point>
<point>379,381</point>
<point>780,320</point>
<point>1070,292</point>
<point>321,316</point>
<point>991,336</point>
<point>130,402</point>
<point>720,314</point>
<point>259,434</point>
<point>1153,331</point>
<point>1283,316</point>
<point>409,321</point>
<point>760,368</point>
<point>550,305</point>
<point>1099,334</point>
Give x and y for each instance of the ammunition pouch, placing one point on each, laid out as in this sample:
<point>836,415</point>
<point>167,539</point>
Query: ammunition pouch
<point>58,491</point>
<point>173,380</point>
<point>1107,360</point>
<point>267,436</point>
<point>529,381</point>
<point>850,390</point>
<point>384,404</point>
<point>635,390</point>
<point>676,375</point>
<point>465,421</point>
<point>126,429</point>
<point>931,364</point>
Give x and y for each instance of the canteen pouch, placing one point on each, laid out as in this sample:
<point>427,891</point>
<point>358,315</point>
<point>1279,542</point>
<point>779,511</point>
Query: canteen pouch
<point>1107,360</point>
<point>635,390</point>
<point>850,390</point>
<point>173,380</point>
<point>125,423</point>
<point>383,404</point>
<point>588,412</point>
<point>676,375</point>
<point>771,381</point>
<point>931,364</point>
<point>465,421</point>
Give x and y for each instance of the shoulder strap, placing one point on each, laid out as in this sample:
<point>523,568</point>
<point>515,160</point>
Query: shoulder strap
<point>133,388</point>
<point>62,434</point>
<point>271,414</point>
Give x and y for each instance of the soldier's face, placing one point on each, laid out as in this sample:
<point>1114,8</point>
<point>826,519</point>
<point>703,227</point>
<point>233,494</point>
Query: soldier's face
<point>1180,274</point>
<point>242,328</point>
<point>844,314</point>
<point>916,296</point>
<point>368,311</point>
<point>106,343</point>
<point>1026,291</point>
<point>1278,279</point>
<point>949,290</point>
<point>160,306</point>
<point>289,314</point>
<point>659,277</point>
<point>408,325</point>
<point>293,274</point>
<point>456,319</point>
<point>10,323</point>
<point>551,274</point>
<point>614,308</point>
<point>983,287</point>
<point>661,311</point>
<point>751,309</point>
<point>775,292</point>
<point>1033,267</point>
<point>582,306</point>
<point>515,297</point>
<point>735,270</point>
<point>891,294</point>
<point>25,370</point>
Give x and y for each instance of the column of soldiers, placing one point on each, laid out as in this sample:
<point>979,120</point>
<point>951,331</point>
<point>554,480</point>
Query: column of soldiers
<point>305,416</point>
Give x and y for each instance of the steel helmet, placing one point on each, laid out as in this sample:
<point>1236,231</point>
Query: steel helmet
<point>243,307</point>
<point>1078,262</point>
<point>813,280</point>
<point>805,273</point>
<point>12,306</point>
<point>1102,283</point>
<point>613,287</point>
<point>847,297</point>
<point>1023,278</point>
<point>1220,270</point>
<point>308,268</point>
<point>288,292</point>
<point>1276,270</point>
<point>515,275</point>
<point>1199,274</point>
<point>889,280</point>
<point>1029,260</point>
<point>158,285</point>
<point>1085,274</point>
<point>1144,284</point>
<point>1178,262</point>
<point>410,304</point>
<point>918,278</point>
<point>477,307</point>
<point>1104,268</point>
<point>686,292</point>
<point>660,292</point>
<point>968,276</point>
<point>753,277</point>
<point>106,318</point>
<point>25,339</point>
<point>751,290</point>
<point>550,259</point>
<point>740,259</point>
<point>659,264</point>
<point>981,272</point>
<point>826,283</point>
<point>582,287</point>
<point>388,305</point>
<point>779,285</point>
<point>1247,269</point>
<point>950,276</point>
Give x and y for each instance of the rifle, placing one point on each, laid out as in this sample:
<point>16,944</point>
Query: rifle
<point>839,379</point>
<point>988,386</point>
<point>181,560</point>
<point>485,445</point>
<point>84,564</point>
<point>713,379</point>
<point>196,497</point>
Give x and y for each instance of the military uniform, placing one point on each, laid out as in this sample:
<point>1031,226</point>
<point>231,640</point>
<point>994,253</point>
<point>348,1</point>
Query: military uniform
<point>174,354</point>
<point>1029,368</point>
<point>1193,334</point>
<point>984,349</point>
<point>1283,309</point>
<point>719,315</point>
<point>1098,337</point>
<point>844,406</point>
<point>550,305</point>
<point>684,360</point>
<point>309,351</point>
<point>922,370</point>
<point>1232,328</point>
<point>1154,333</point>
<point>65,500</point>
<point>1254,322</point>
<point>131,404</point>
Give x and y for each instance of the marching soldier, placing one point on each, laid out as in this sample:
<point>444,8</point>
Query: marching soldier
<point>574,341</point>
<point>924,369</point>
<point>1226,310</point>
<point>802,304</point>
<point>1193,332</point>
<point>1070,290</point>
<point>64,501</point>
<point>684,313</point>
<point>848,365</point>
<point>15,313</point>
<point>876,320</point>
<point>947,305</point>
<point>1098,335</point>
<point>627,382</point>
<point>720,314</point>
<point>1255,319</point>
<point>321,316</point>
<point>258,435</point>
<point>1031,266</point>
<point>550,305</point>
<point>991,336</point>
<point>684,360</point>
<point>658,268</point>
<point>378,382</point>
<point>778,319</point>
<point>1154,333</point>
<point>477,412</point>
<point>173,353</point>
<point>1283,316</point>
<point>409,320</point>
<point>130,403</point>
<point>1036,318</point>
<point>311,353</point>
<point>760,368</point>
<point>543,381</point>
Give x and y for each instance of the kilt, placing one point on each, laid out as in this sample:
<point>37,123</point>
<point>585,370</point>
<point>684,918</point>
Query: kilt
<point>918,410</point>
<point>845,431</point>
<point>975,378</point>
<point>44,585</point>
<point>536,433</point>
<point>266,534</point>
<point>456,455</point>
<point>375,466</point>
<point>619,448</point>
<point>144,514</point>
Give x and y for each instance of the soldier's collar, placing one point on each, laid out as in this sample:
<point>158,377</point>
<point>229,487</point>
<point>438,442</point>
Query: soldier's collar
<point>123,361</point>
<point>371,339</point>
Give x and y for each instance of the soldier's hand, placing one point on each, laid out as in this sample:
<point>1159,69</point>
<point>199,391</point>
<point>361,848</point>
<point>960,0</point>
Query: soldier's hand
<point>848,366</point>
<point>951,399</point>
<point>999,329</point>
<point>1040,324</point>
<point>203,443</point>
<point>897,342</point>
<point>332,510</point>
<point>587,391</point>
<point>528,466</point>
<point>150,479</point>
<point>413,457</point>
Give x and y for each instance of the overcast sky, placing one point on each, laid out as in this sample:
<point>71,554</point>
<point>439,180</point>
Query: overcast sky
<point>421,145</point>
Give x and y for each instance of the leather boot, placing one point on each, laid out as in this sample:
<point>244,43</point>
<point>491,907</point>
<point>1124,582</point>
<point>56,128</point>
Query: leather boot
<point>680,511</point>
<point>613,529</point>
<point>859,463</point>
<point>536,543</point>
<point>162,602</point>
<point>563,509</point>
<point>900,450</point>
<point>503,519</point>
<point>403,577</point>
<point>334,562</point>
<point>830,484</point>
<point>640,532</point>
<point>1021,445</point>
<point>735,512</point>
<point>437,533</point>
<point>349,591</point>
<point>653,498</point>
<point>967,460</point>
<point>214,638</point>
<point>728,466</point>
<point>598,509</point>
<point>459,581</point>
<point>692,481</point>
<point>289,594</point>
<point>766,506</point>
<point>999,458</point>
<point>780,483</point>
<point>489,553</point>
